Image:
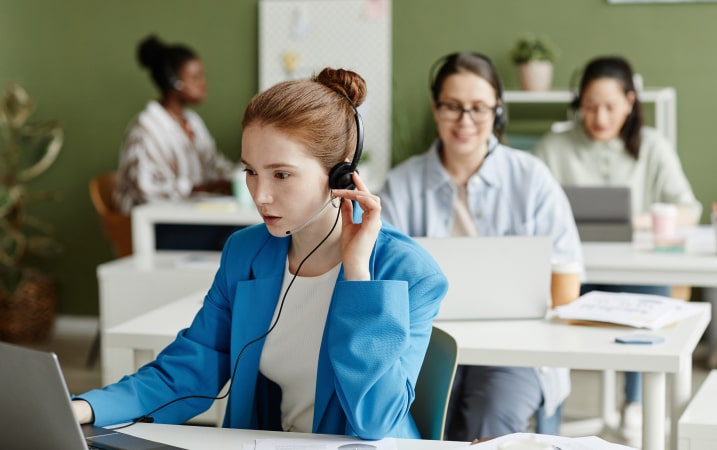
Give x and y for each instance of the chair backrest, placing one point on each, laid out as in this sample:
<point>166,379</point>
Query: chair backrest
<point>117,226</point>
<point>433,387</point>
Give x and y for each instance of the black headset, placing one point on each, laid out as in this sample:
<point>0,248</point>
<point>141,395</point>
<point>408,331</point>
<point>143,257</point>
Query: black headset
<point>574,87</point>
<point>340,176</point>
<point>172,78</point>
<point>501,115</point>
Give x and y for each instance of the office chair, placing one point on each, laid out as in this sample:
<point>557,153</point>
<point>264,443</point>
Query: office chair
<point>433,387</point>
<point>117,226</point>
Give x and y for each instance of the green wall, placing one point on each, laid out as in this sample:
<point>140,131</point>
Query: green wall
<point>77,59</point>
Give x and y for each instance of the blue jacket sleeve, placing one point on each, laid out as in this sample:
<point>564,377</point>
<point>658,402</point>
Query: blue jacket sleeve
<point>378,332</point>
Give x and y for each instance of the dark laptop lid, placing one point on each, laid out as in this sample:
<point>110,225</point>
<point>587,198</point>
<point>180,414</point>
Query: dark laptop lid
<point>36,407</point>
<point>600,203</point>
<point>602,213</point>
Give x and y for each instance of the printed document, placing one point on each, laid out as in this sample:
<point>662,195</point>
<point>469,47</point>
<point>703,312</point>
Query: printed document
<point>634,310</point>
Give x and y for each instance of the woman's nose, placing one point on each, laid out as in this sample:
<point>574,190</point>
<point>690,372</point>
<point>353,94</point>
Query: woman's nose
<point>261,191</point>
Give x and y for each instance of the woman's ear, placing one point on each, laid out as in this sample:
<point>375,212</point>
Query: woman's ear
<point>434,110</point>
<point>631,97</point>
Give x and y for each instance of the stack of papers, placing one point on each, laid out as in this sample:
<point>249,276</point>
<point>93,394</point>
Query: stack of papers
<point>633,310</point>
<point>320,443</point>
<point>578,443</point>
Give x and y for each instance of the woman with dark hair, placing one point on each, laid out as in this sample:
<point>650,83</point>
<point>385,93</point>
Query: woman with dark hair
<point>168,152</point>
<point>321,322</point>
<point>609,146</point>
<point>469,184</point>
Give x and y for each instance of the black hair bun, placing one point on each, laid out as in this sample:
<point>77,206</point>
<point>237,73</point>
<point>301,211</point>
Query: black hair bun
<point>150,51</point>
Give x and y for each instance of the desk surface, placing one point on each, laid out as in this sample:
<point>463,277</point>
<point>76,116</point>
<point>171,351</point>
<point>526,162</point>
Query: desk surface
<point>507,343</point>
<point>211,438</point>
<point>494,342</point>
<point>555,343</point>
<point>210,210</point>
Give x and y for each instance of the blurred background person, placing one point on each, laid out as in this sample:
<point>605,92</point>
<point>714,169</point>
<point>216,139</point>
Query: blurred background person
<point>168,152</point>
<point>608,145</point>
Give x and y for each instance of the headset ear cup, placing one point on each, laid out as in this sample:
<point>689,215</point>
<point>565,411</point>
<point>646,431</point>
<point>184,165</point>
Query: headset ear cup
<point>500,117</point>
<point>340,177</point>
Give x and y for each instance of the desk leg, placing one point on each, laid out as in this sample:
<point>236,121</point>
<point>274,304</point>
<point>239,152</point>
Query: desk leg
<point>710,295</point>
<point>653,410</point>
<point>607,401</point>
<point>143,239</point>
<point>681,394</point>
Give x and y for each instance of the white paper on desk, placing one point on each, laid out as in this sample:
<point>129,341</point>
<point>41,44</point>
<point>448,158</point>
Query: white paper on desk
<point>634,310</point>
<point>333,443</point>
<point>565,443</point>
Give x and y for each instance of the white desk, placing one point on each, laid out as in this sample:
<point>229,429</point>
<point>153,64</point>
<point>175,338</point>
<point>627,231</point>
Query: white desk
<point>200,438</point>
<point>209,211</point>
<point>637,263</point>
<point>698,424</point>
<point>128,290</point>
<point>506,343</point>
<point>551,343</point>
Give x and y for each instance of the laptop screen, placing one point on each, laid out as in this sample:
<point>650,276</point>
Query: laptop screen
<point>39,413</point>
<point>493,277</point>
<point>602,213</point>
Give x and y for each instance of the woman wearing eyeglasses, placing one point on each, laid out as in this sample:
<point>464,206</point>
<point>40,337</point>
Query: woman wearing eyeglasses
<point>469,184</point>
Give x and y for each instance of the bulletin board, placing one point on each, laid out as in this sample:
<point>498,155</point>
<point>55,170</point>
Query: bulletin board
<point>298,38</point>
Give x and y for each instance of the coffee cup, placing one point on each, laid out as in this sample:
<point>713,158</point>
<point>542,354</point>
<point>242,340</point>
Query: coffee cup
<point>240,190</point>
<point>664,224</point>
<point>564,276</point>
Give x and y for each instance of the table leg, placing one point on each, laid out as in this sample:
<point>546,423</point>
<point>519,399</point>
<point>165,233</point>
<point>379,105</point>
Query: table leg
<point>653,410</point>
<point>710,295</point>
<point>681,394</point>
<point>607,401</point>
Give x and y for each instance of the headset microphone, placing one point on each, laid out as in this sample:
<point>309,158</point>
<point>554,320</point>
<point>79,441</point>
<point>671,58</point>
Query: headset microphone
<point>311,219</point>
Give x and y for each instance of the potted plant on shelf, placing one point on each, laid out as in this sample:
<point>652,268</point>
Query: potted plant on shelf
<point>534,56</point>
<point>27,294</point>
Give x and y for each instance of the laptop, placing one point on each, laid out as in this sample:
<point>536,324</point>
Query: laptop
<point>602,213</point>
<point>493,277</point>
<point>36,411</point>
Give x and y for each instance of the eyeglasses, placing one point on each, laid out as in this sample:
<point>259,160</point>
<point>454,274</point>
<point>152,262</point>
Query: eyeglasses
<point>454,112</point>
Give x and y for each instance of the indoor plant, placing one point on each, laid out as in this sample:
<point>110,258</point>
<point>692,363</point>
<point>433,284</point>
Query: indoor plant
<point>27,294</point>
<point>534,56</point>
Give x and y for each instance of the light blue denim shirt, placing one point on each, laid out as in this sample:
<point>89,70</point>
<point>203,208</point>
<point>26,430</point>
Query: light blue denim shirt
<point>513,193</point>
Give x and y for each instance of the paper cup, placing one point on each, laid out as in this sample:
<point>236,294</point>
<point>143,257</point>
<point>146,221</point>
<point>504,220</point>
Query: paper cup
<point>240,190</point>
<point>563,276</point>
<point>664,223</point>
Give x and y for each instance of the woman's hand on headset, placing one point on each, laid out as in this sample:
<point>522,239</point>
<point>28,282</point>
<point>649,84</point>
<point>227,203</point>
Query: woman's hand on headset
<point>358,239</point>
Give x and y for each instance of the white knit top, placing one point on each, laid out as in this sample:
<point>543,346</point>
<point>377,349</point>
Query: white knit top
<point>291,352</point>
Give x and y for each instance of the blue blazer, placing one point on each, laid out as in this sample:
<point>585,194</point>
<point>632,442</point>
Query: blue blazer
<point>373,344</point>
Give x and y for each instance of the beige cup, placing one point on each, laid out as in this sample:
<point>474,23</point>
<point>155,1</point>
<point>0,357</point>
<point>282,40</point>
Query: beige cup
<point>564,282</point>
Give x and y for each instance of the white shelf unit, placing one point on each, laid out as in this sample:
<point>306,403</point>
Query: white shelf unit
<point>663,98</point>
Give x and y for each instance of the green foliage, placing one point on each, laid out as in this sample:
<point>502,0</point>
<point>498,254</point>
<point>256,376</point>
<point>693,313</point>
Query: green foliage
<point>26,151</point>
<point>533,48</point>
